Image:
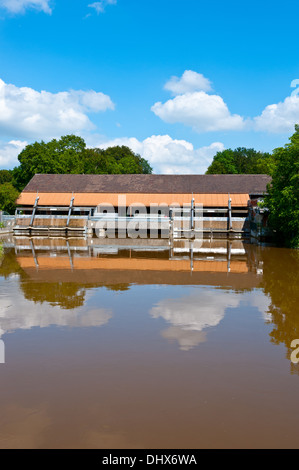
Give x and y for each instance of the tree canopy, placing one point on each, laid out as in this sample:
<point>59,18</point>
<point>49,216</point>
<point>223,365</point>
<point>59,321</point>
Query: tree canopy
<point>8,196</point>
<point>5,176</point>
<point>283,193</point>
<point>241,161</point>
<point>70,155</point>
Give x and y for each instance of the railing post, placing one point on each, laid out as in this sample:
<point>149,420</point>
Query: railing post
<point>230,227</point>
<point>192,213</point>
<point>70,211</point>
<point>33,212</point>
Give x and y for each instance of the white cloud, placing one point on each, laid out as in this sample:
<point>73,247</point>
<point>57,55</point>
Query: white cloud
<point>199,110</point>
<point>16,312</point>
<point>194,107</point>
<point>167,155</point>
<point>187,339</point>
<point>197,311</point>
<point>99,7</point>
<point>280,117</point>
<point>19,6</point>
<point>9,152</point>
<point>190,315</point>
<point>261,301</point>
<point>190,81</point>
<point>32,114</point>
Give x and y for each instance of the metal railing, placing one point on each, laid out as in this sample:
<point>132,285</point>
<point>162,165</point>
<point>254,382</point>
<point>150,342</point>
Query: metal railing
<point>7,222</point>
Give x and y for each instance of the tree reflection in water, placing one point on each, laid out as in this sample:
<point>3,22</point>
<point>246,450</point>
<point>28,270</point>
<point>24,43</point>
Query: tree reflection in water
<point>281,281</point>
<point>67,295</point>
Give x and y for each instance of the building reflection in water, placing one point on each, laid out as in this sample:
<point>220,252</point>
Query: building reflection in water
<point>169,346</point>
<point>57,274</point>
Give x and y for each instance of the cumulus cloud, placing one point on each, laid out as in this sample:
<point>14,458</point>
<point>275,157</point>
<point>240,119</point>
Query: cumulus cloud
<point>190,81</point>
<point>99,7</point>
<point>20,6</point>
<point>197,311</point>
<point>280,117</point>
<point>9,152</point>
<point>169,156</point>
<point>199,110</point>
<point>186,339</point>
<point>191,315</point>
<point>16,313</point>
<point>204,112</point>
<point>32,114</point>
<point>192,106</point>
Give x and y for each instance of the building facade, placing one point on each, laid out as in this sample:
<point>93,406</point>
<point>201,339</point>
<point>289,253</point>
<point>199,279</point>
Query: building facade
<point>223,200</point>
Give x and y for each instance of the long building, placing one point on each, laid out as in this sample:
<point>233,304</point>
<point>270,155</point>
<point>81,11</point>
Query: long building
<point>82,195</point>
<point>89,191</point>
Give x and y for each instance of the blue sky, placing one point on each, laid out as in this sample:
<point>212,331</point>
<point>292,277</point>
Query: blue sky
<point>174,80</point>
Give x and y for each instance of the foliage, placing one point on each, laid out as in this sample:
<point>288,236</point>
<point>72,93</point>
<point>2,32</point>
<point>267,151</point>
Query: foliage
<point>8,196</point>
<point>283,193</point>
<point>10,265</point>
<point>280,283</point>
<point>5,176</point>
<point>241,161</point>
<point>70,155</point>
<point>68,295</point>
<point>56,156</point>
<point>114,160</point>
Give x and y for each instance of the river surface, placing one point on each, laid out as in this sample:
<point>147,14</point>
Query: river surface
<point>128,345</point>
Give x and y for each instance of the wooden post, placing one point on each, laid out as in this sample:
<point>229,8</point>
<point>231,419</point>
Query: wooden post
<point>34,255</point>
<point>230,227</point>
<point>229,254</point>
<point>70,211</point>
<point>34,210</point>
<point>192,213</point>
<point>70,255</point>
<point>191,255</point>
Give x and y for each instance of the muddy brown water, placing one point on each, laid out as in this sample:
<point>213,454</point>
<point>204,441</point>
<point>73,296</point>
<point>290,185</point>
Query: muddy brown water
<point>140,347</point>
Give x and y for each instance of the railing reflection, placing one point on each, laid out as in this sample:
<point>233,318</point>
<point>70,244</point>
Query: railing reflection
<point>150,255</point>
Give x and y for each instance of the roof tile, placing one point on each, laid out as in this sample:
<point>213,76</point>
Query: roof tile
<point>149,184</point>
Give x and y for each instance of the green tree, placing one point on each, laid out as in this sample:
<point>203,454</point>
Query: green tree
<point>8,196</point>
<point>283,193</point>
<point>5,176</point>
<point>114,160</point>
<point>70,155</point>
<point>56,156</point>
<point>146,168</point>
<point>125,161</point>
<point>241,161</point>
